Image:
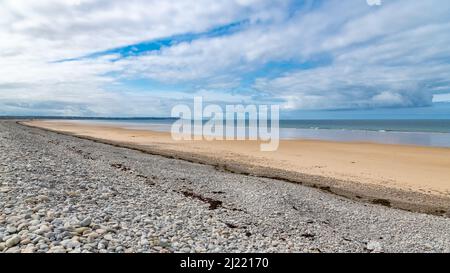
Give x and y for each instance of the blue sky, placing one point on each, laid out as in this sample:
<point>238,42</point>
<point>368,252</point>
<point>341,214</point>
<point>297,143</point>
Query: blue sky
<point>317,59</point>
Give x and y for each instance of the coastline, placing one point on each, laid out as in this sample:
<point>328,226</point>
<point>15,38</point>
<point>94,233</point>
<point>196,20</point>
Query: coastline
<point>65,194</point>
<point>406,177</point>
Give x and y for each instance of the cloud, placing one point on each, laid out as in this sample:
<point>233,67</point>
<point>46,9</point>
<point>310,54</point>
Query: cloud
<point>304,54</point>
<point>35,34</point>
<point>395,57</point>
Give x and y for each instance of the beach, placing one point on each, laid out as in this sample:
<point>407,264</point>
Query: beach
<point>409,177</point>
<point>61,193</point>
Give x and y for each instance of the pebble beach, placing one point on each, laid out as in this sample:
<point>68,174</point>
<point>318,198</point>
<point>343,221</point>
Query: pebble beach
<point>60,193</point>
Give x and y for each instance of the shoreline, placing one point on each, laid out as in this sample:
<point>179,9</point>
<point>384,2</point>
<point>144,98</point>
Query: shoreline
<point>433,139</point>
<point>67,194</point>
<point>390,195</point>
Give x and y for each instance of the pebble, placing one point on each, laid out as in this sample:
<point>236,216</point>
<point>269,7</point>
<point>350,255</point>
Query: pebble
<point>4,189</point>
<point>25,241</point>
<point>11,229</point>
<point>100,231</point>
<point>72,244</point>
<point>81,230</point>
<point>101,246</point>
<point>86,222</point>
<point>57,249</point>
<point>29,249</point>
<point>13,250</point>
<point>14,240</point>
<point>374,246</point>
<point>44,228</point>
<point>34,222</point>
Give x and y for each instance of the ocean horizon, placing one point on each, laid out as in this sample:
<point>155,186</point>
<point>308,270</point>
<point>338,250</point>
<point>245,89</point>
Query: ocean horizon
<point>420,132</point>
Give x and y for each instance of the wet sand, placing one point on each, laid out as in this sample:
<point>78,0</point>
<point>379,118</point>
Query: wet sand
<point>408,177</point>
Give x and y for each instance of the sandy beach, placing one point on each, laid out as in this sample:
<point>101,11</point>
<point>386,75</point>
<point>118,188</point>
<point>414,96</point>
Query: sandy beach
<point>60,193</point>
<point>408,177</point>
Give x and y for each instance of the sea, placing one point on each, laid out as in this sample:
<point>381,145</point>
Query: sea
<point>432,132</point>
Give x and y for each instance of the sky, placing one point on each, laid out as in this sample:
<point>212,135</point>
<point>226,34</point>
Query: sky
<point>314,58</point>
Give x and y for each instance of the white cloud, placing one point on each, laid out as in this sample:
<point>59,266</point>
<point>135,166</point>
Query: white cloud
<point>393,55</point>
<point>441,98</point>
<point>34,34</point>
<point>397,56</point>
